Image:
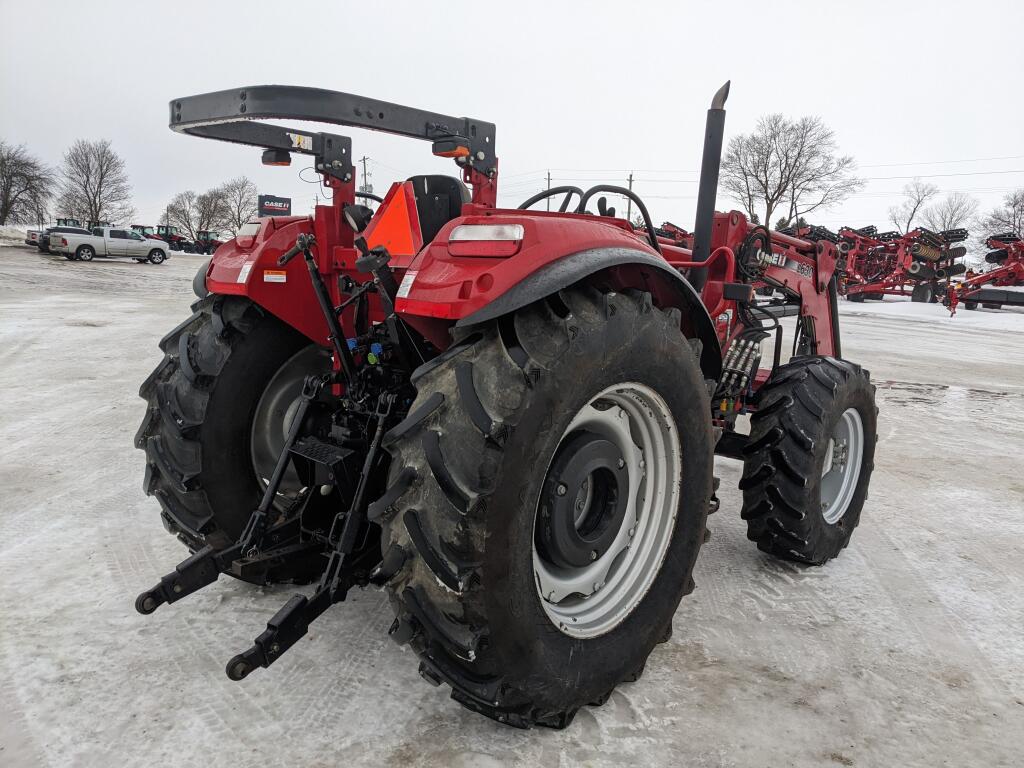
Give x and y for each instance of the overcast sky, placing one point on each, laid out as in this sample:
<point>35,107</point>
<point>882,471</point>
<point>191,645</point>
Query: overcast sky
<point>588,90</point>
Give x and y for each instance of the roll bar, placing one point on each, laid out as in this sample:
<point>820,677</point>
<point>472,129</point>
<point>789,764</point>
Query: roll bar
<point>234,116</point>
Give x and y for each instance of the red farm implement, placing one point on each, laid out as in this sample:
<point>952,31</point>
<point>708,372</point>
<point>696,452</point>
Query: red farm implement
<point>918,264</point>
<point>507,418</point>
<point>989,288</point>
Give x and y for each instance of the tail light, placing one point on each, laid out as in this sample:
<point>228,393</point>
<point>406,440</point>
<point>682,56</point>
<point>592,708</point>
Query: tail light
<point>63,241</point>
<point>485,239</point>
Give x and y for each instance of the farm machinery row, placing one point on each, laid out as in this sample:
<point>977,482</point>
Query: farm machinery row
<point>206,241</point>
<point>919,264</point>
<point>506,418</point>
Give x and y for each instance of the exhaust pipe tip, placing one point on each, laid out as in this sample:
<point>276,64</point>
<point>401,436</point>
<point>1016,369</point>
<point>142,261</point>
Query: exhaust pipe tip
<point>718,101</point>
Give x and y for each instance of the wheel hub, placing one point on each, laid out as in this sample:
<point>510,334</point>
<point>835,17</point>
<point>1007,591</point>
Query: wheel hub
<point>607,510</point>
<point>584,501</point>
<point>840,471</point>
<point>274,414</point>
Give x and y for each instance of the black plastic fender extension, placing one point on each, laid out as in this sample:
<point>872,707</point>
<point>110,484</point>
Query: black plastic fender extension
<point>199,281</point>
<point>573,268</point>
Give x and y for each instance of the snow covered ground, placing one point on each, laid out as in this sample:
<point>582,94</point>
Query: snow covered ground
<point>905,651</point>
<point>1006,319</point>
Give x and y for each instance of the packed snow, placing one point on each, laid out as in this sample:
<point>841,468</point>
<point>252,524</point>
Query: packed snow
<point>903,651</point>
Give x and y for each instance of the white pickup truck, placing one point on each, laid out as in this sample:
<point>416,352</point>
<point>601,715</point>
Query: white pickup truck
<point>110,242</point>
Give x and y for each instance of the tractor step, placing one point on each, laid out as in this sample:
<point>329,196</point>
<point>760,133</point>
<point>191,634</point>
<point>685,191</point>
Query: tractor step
<point>333,464</point>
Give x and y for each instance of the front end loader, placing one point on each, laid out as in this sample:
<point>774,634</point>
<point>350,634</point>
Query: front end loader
<point>507,418</point>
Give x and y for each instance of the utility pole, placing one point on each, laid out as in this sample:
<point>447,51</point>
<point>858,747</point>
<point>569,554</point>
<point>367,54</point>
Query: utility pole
<point>547,202</point>
<point>629,200</point>
<point>366,186</point>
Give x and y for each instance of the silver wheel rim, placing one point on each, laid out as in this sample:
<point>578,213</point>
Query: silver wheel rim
<point>86,254</point>
<point>274,413</point>
<point>592,600</point>
<point>841,468</point>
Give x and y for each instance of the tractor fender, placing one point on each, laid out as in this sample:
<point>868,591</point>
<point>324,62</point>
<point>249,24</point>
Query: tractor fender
<point>199,281</point>
<point>665,282</point>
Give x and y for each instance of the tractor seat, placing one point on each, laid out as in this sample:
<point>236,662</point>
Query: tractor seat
<point>439,199</point>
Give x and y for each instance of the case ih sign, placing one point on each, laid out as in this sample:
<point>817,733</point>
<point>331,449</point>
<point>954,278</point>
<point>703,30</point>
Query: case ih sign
<point>275,206</point>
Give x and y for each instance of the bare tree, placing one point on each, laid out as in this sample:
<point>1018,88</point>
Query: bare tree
<point>26,186</point>
<point>916,194</point>
<point>956,210</point>
<point>240,197</point>
<point>194,213</point>
<point>95,183</point>
<point>789,166</point>
<point>1009,217</point>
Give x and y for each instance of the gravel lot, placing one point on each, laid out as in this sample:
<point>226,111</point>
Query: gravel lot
<point>906,651</point>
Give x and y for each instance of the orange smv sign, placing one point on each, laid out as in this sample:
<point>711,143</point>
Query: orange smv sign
<point>397,225</point>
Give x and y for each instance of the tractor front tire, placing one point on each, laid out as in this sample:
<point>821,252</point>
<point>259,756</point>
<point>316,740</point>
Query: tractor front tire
<point>809,460</point>
<point>475,491</point>
<point>203,399</point>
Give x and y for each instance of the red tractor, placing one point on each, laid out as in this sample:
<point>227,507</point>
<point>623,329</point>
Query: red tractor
<point>919,263</point>
<point>146,231</point>
<point>989,288</point>
<point>207,242</point>
<point>507,418</point>
<point>173,237</point>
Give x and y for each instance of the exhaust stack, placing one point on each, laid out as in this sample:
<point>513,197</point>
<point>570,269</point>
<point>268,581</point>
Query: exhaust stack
<point>708,188</point>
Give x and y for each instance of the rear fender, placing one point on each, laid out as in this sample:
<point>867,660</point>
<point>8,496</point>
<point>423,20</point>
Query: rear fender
<point>248,267</point>
<point>621,269</point>
<point>441,290</point>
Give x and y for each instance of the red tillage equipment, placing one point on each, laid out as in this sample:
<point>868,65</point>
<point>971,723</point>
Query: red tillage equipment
<point>918,263</point>
<point>990,288</point>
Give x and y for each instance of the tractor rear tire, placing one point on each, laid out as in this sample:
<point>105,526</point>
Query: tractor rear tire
<point>856,298</point>
<point>202,400</point>
<point>472,488</point>
<point>793,508</point>
<point>922,293</point>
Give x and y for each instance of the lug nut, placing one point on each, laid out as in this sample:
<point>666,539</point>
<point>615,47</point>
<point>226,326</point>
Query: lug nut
<point>561,489</point>
<point>593,554</point>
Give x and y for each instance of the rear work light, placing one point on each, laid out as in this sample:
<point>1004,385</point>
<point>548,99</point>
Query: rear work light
<point>485,239</point>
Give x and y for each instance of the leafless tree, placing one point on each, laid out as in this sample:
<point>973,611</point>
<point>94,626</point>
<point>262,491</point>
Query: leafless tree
<point>956,210</point>
<point>916,195</point>
<point>240,197</point>
<point>94,183</point>
<point>194,213</point>
<point>1009,217</point>
<point>26,186</point>
<point>791,166</point>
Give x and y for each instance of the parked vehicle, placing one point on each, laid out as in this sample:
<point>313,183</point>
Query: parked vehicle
<point>173,237</point>
<point>43,241</point>
<point>108,242</point>
<point>208,242</point>
<point>146,231</point>
<point>32,237</point>
<point>69,222</point>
